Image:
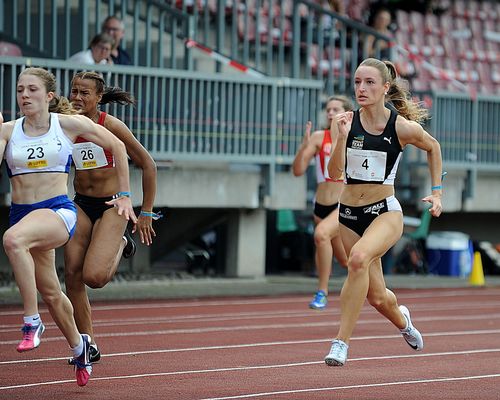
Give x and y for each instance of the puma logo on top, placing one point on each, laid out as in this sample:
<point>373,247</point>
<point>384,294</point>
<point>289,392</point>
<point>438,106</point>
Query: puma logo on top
<point>388,139</point>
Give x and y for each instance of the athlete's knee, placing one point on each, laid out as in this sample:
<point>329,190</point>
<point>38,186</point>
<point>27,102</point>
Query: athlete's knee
<point>96,282</point>
<point>321,236</point>
<point>51,297</point>
<point>382,299</point>
<point>377,300</point>
<point>96,279</point>
<point>12,243</point>
<point>359,261</point>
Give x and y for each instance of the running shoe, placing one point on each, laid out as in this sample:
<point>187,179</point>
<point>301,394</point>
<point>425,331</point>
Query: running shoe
<point>95,355</point>
<point>319,301</point>
<point>410,333</point>
<point>130,247</point>
<point>338,354</point>
<point>31,337</point>
<point>83,367</point>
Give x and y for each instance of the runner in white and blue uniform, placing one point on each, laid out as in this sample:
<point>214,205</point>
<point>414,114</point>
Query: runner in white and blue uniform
<point>37,148</point>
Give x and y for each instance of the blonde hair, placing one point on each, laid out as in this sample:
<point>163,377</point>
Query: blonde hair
<point>59,104</point>
<point>346,103</point>
<point>398,94</point>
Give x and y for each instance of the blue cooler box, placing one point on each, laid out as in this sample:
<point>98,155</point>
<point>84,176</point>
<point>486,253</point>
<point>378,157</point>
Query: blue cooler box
<point>449,253</point>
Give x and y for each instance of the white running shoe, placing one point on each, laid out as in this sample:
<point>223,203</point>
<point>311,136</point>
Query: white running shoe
<point>338,354</point>
<point>410,333</point>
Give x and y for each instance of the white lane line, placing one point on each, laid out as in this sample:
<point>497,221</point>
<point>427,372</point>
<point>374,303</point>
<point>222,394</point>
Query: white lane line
<point>369,385</point>
<point>251,345</point>
<point>172,303</point>
<point>219,317</point>
<point>271,366</point>
<point>247,327</point>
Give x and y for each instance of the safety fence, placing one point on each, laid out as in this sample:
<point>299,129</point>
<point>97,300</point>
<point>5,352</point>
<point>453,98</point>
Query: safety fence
<point>183,115</point>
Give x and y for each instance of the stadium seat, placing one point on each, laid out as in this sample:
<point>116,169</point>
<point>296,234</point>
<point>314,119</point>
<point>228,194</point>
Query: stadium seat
<point>10,49</point>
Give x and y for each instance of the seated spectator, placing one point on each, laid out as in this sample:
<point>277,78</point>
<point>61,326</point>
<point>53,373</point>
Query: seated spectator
<point>114,27</point>
<point>381,22</point>
<point>99,51</point>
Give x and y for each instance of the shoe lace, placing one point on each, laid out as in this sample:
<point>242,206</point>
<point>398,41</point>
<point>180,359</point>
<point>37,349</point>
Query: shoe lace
<point>28,331</point>
<point>339,347</point>
<point>79,364</point>
<point>319,297</point>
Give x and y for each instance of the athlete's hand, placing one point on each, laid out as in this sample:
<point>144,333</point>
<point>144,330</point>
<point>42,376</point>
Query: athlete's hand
<point>124,206</point>
<point>307,134</point>
<point>344,122</point>
<point>436,208</point>
<point>145,227</point>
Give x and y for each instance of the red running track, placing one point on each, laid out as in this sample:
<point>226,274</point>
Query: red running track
<point>266,348</point>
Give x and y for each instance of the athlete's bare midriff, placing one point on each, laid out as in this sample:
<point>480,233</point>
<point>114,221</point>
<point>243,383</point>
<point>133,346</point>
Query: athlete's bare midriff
<point>36,187</point>
<point>360,194</point>
<point>96,183</point>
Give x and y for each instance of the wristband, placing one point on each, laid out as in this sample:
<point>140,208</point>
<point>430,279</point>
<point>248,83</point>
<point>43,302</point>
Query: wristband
<point>121,194</point>
<point>155,216</point>
<point>438,187</point>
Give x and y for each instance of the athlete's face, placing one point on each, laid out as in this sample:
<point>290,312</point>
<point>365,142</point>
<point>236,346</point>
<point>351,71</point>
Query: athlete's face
<point>32,96</point>
<point>84,96</point>
<point>333,108</point>
<point>369,86</point>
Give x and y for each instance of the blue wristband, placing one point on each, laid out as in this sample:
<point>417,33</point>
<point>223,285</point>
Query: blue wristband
<point>439,187</point>
<point>155,216</point>
<point>121,194</point>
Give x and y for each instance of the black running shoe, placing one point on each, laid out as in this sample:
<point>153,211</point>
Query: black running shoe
<point>130,247</point>
<point>95,355</point>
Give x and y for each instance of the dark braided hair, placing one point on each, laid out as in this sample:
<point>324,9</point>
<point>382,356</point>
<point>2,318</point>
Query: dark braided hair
<point>109,94</point>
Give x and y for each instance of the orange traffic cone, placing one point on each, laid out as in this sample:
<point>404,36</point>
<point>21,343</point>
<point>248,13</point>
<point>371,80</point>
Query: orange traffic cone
<point>476,277</point>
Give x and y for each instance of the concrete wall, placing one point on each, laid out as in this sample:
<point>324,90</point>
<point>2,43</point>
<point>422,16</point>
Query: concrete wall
<point>196,196</point>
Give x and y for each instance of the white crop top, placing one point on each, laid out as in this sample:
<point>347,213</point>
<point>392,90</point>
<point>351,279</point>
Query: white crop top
<point>50,152</point>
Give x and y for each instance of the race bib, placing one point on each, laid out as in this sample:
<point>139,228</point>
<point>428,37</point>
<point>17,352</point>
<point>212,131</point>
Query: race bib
<point>366,165</point>
<point>88,155</point>
<point>38,154</point>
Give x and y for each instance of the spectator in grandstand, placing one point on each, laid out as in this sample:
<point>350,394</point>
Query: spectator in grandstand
<point>326,217</point>
<point>101,238</point>
<point>99,51</point>
<point>114,27</point>
<point>381,22</point>
<point>368,149</point>
<point>37,149</point>
<point>354,9</point>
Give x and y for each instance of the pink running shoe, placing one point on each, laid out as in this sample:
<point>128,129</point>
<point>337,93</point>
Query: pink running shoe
<point>83,367</point>
<point>31,337</point>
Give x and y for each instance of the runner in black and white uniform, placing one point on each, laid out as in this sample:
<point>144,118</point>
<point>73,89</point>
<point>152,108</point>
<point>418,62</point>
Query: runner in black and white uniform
<point>369,147</point>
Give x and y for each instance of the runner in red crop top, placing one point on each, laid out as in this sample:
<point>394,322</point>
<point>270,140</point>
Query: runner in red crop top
<point>95,182</point>
<point>107,153</point>
<point>319,146</point>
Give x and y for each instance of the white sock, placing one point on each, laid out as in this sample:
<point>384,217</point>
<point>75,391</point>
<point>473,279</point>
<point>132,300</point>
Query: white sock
<point>33,320</point>
<point>77,350</point>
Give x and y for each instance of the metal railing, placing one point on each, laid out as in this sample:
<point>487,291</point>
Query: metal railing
<point>154,32</point>
<point>286,38</point>
<point>468,130</point>
<point>181,115</point>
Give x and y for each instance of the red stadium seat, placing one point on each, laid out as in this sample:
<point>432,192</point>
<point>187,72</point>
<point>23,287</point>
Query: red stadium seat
<point>10,49</point>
